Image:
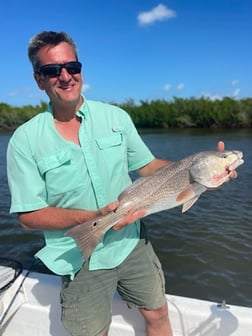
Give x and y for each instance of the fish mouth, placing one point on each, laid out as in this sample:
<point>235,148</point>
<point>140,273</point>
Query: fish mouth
<point>239,161</point>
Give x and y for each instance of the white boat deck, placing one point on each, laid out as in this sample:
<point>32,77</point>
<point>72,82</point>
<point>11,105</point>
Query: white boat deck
<point>36,312</point>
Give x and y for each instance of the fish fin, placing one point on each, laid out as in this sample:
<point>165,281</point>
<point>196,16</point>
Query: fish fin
<point>187,205</point>
<point>186,194</point>
<point>86,237</point>
<point>190,195</point>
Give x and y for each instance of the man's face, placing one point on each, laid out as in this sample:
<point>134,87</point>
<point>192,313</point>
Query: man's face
<point>64,88</point>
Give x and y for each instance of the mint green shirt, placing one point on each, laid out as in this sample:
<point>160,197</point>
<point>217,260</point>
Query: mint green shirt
<point>46,170</point>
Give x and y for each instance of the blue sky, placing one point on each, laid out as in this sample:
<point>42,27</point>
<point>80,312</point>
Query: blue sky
<point>138,49</point>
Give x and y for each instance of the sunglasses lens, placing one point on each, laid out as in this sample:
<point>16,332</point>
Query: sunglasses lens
<point>73,67</point>
<point>50,70</point>
<point>54,70</point>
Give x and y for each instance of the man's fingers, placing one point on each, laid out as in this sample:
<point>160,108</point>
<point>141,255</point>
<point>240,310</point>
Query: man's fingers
<point>108,208</point>
<point>130,218</point>
<point>220,146</point>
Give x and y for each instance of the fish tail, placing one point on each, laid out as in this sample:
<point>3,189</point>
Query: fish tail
<point>86,239</point>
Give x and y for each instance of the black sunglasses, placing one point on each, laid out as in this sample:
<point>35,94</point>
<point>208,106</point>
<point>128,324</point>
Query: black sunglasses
<point>54,70</point>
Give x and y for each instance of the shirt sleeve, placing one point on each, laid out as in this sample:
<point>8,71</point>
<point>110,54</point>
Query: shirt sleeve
<point>138,153</point>
<point>27,187</point>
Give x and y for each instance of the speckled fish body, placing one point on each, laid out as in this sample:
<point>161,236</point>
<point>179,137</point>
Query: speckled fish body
<point>179,183</point>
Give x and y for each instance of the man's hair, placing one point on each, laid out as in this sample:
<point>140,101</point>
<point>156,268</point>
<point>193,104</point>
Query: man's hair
<point>47,38</point>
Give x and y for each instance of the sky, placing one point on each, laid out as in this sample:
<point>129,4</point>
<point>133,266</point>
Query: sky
<point>138,50</point>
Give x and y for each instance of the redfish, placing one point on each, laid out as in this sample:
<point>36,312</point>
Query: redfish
<point>179,183</point>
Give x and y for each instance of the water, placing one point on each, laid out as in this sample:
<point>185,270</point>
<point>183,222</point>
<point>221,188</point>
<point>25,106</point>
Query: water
<point>207,252</point>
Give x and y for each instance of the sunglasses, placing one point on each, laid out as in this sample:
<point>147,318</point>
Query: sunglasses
<point>54,70</point>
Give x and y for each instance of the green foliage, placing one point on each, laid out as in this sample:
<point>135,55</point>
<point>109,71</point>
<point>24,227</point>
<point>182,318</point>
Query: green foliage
<point>11,117</point>
<point>177,113</point>
<point>191,112</point>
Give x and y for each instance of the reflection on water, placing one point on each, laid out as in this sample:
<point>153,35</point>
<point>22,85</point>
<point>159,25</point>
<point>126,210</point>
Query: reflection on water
<point>207,252</point>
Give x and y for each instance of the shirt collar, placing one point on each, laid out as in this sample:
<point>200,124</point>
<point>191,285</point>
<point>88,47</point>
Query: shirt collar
<point>82,112</point>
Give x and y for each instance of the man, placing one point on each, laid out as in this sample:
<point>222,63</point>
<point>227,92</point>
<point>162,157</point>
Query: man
<point>68,165</point>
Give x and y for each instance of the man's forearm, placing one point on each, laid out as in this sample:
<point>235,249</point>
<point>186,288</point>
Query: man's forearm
<point>152,167</point>
<point>52,218</point>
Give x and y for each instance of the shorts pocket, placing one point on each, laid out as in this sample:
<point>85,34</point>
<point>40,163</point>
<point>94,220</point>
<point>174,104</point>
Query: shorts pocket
<point>160,272</point>
<point>81,317</point>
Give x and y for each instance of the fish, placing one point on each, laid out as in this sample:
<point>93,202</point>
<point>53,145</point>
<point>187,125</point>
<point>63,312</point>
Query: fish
<point>178,183</point>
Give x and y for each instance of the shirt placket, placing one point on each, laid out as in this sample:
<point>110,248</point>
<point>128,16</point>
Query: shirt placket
<point>86,137</point>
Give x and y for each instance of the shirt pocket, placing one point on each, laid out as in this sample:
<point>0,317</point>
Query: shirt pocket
<point>113,151</point>
<point>60,172</point>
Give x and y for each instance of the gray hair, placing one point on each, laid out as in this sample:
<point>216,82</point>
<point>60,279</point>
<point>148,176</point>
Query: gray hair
<point>47,38</point>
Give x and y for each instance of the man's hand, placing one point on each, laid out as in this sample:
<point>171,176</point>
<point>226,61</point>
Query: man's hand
<point>108,208</point>
<point>130,218</point>
<point>132,215</point>
<point>220,148</point>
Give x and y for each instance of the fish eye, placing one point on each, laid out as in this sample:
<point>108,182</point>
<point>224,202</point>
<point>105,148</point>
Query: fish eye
<point>224,156</point>
<point>94,224</point>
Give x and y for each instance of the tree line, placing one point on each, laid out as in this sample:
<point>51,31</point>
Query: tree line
<point>176,113</point>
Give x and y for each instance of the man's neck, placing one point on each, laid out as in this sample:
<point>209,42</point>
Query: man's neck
<point>65,112</point>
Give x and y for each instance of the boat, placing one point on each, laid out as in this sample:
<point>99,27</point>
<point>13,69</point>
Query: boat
<point>29,306</point>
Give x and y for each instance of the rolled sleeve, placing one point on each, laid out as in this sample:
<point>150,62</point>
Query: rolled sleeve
<point>138,153</point>
<point>26,185</point>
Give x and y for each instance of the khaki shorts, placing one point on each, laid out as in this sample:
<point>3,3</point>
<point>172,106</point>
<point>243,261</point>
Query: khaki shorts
<point>86,301</point>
